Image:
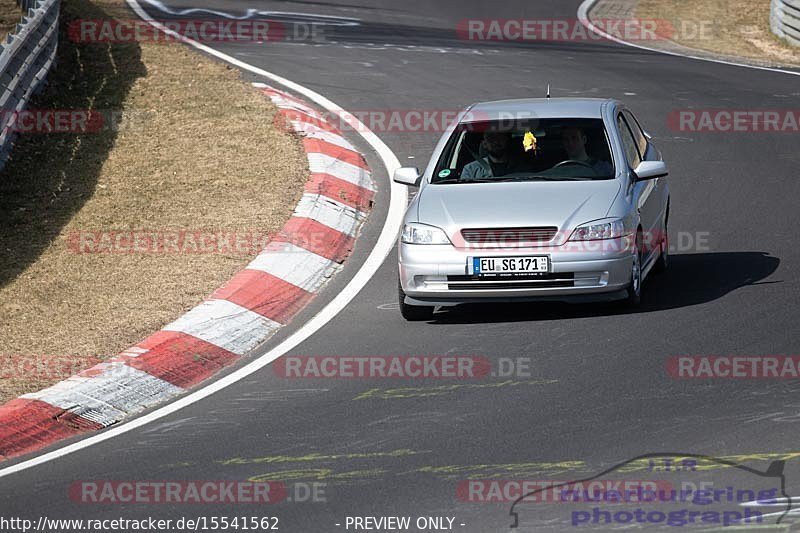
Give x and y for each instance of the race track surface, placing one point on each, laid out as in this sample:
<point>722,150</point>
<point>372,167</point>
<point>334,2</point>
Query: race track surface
<point>598,392</point>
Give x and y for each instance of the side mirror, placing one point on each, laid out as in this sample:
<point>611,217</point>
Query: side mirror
<point>648,170</point>
<point>407,176</point>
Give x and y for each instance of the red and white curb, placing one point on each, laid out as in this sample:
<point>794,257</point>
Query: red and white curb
<point>236,318</point>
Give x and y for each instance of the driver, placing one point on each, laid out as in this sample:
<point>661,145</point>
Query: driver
<point>574,141</point>
<point>498,163</point>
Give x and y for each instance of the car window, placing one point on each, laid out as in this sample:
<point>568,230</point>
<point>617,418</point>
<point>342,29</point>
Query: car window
<point>638,132</point>
<point>526,149</point>
<point>628,143</point>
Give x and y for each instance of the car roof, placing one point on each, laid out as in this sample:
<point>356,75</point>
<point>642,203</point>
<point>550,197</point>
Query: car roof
<point>539,107</point>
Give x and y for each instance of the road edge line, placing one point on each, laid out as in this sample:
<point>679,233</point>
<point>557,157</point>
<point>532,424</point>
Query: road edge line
<point>583,17</point>
<point>381,249</point>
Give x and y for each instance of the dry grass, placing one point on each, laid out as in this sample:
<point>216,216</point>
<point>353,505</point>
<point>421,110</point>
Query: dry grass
<point>202,153</point>
<point>10,15</point>
<point>737,27</point>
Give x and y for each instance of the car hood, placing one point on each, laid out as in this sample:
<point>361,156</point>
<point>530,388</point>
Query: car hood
<point>564,204</point>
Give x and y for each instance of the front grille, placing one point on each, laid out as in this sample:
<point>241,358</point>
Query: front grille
<point>527,281</point>
<point>505,236</point>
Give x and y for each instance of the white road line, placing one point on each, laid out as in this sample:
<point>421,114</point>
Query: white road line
<point>583,16</point>
<point>386,240</point>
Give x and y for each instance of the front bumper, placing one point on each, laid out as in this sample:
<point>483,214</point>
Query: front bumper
<point>439,274</point>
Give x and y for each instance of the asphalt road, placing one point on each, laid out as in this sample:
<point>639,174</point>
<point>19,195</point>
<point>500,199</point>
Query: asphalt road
<point>597,393</point>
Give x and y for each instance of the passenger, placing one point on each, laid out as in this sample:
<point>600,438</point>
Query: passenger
<point>498,161</point>
<point>574,141</point>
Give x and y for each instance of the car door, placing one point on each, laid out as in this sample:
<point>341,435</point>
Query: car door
<point>645,192</point>
<point>659,197</point>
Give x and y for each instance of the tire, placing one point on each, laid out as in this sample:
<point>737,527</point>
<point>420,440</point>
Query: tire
<point>662,263</point>
<point>412,313</point>
<point>634,290</point>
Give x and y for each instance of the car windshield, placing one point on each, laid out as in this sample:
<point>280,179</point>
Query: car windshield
<point>526,150</point>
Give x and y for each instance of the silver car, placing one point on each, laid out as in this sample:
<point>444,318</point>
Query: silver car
<point>535,199</point>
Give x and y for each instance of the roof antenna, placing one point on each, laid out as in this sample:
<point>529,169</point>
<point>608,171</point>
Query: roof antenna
<point>548,91</point>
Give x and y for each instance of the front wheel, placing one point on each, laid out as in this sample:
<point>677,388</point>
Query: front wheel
<point>634,290</point>
<point>412,313</point>
<point>663,258</point>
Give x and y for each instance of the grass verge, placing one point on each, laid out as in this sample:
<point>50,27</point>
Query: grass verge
<point>733,28</point>
<point>10,15</point>
<point>196,150</point>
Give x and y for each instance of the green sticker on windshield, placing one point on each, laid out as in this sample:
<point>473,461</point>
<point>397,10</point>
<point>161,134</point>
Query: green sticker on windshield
<point>444,173</point>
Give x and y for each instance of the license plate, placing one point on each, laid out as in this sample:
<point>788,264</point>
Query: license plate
<point>487,266</point>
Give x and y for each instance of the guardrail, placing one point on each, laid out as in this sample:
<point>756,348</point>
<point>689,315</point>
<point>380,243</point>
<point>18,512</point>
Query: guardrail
<point>25,59</point>
<point>785,20</point>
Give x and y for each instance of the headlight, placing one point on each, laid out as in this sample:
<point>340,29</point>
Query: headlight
<point>415,233</point>
<point>602,229</point>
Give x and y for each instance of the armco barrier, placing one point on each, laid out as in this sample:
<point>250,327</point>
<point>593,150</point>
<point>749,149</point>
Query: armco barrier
<point>25,59</point>
<point>785,20</point>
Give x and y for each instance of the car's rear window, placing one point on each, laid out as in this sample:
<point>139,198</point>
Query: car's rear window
<point>526,150</point>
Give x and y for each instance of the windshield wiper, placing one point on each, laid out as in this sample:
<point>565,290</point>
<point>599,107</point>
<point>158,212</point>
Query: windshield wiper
<point>548,178</point>
<point>519,178</point>
<point>459,180</point>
